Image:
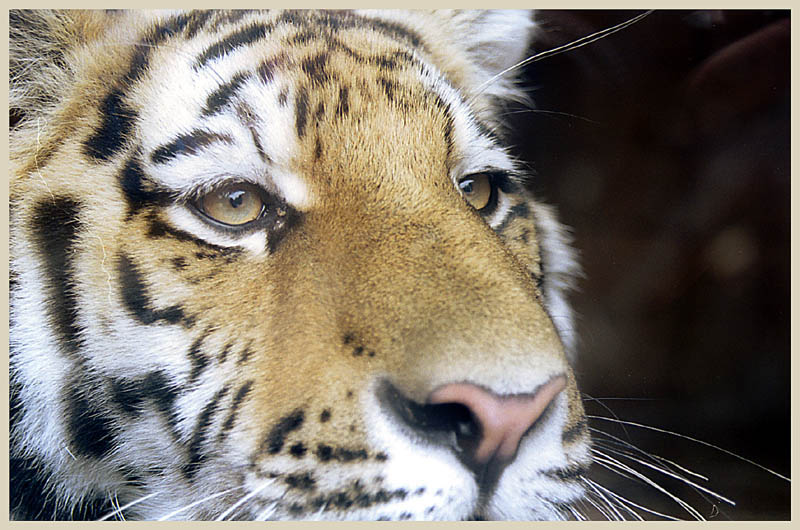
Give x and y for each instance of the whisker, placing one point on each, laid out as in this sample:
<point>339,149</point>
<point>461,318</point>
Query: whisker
<point>122,508</point>
<point>195,503</point>
<point>603,512</point>
<point>654,457</point>
<point>656,429</point>
<point>609,411</point>
<point>578,43</point>
<point>628,501</point>
<point>244,499</point>
<point>267,512</point>
<point>596,488</point>
<point>608,502</point>
<point>673,475</point>
<point>576,513</point>
<point>597,399</point>
<point>551,112</point>
<point>613,464</point>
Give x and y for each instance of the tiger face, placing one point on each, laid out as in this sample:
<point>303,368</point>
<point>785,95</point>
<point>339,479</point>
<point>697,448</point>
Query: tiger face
<point>280,265</point>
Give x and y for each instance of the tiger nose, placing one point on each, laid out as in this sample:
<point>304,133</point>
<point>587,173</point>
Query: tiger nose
<point>502,420</point>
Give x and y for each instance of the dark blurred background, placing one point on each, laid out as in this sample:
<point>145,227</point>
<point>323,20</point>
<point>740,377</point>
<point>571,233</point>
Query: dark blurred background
<point>665,147</point>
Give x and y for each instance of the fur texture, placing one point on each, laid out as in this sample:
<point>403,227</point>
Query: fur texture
<point>196,368</point>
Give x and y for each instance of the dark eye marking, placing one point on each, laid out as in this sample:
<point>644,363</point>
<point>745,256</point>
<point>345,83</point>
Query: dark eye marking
<point>188,144</point>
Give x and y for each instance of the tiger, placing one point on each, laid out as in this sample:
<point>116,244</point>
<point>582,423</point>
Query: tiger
<point>283,265</point>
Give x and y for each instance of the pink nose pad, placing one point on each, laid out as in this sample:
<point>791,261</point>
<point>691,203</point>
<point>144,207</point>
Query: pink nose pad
<point>503,419</point>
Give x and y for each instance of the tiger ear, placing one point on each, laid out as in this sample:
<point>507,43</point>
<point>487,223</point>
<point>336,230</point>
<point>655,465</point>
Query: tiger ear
<point>494,39</point>
<point>41,43</point>
<point>485,46</point>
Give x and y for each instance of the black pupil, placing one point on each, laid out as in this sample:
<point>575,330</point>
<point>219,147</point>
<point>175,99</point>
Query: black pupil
<point>236,198</point>
<point>466,185</point>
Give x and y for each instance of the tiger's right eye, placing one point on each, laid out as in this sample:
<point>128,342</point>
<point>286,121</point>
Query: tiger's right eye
<point>233,204</point>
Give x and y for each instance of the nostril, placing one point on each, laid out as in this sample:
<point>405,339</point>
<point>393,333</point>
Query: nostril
<point>502,420</point>
<point>450,424</point>
<point>428,417</point>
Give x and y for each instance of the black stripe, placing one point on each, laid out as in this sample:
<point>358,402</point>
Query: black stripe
<point>259,147</point>
<point>244,356</point>
<point>179,263</point>
<point>218,99</point>
<point>317,149</point>
<point>136,300</point>
<point>223,355</point>
<point>222,18</point>
<point>316,68</point>
<point>32,498</point>
<point>117,121</point>
<point>188,144</point>
<point>195,456</point>
<point>154,38</point>
<point>273,443</point>
<point>344,102</point>
<point>389,88</point>
<point>568,474</point>
<point>384,62</point>
<point>55,225</point>
<point>242,37</point>
<point>139,190</point>
<point>170,28</point>
<point>131,395</point>
<point>301,112</point>
<point>518,210</point>
<point>266,70</point>
<point>156,386</point>
<point>321,24</point>
<point>320,112</point>
<point>198,360</point>
<point>118,118</point>
<point>30,486</point>
<point>227,425</point>
<point>397,32</point>
<point>197,21</point>
<point>283,97</point>
<point>393,61</point>
<point>90,430</point>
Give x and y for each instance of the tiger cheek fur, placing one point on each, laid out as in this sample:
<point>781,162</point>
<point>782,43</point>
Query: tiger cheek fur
<point>167,354</point>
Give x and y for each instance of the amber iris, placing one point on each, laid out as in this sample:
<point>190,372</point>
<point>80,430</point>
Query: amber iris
<point>234,204</point>
<point>477,189</point>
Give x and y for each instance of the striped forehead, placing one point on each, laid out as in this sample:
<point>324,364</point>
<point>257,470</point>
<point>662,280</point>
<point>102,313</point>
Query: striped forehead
<point>233,94</point>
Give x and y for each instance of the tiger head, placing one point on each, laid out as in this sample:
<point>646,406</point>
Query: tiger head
<point>281,265</point>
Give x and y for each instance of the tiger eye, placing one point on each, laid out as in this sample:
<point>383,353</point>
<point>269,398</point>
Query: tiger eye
<point>477,189</point>
<point>234,204</point>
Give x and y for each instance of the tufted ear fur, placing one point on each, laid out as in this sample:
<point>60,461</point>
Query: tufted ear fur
<point>494,39</point>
